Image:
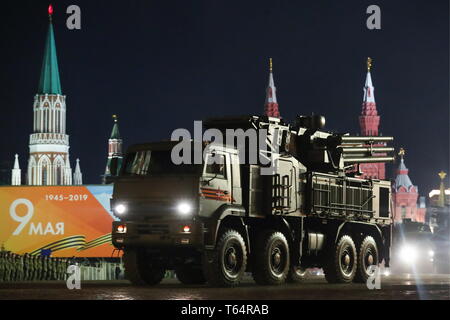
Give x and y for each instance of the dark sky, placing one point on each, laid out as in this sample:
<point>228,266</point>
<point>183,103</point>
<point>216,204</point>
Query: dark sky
<point>160,65</point>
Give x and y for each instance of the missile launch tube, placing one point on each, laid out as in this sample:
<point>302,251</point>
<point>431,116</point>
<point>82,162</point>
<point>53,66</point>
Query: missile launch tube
<point>368,160</point>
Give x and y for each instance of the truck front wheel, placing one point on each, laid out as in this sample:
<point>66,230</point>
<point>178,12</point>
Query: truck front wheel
<point>226,265</point>
<point>140,269</point>
<point>271,258</point>
<point>341,262</point>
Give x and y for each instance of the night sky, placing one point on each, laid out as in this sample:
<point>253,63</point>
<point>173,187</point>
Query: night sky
<point>160,65</point>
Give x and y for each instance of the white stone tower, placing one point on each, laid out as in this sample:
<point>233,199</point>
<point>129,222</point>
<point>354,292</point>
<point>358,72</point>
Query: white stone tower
<point>16,173</point>
<point>77,176</point>
<point>49,144</point>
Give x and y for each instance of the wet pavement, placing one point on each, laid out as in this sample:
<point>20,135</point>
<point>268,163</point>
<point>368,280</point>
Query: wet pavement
<point>404,287</point>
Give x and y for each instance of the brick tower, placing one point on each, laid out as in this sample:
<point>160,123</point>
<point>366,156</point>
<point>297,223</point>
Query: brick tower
<point>405,195</point>
<point>271,105</point>
<point>369,122</point>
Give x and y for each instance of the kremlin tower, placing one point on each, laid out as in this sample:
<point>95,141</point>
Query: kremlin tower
<point>16,173</point>
<point>49,162</point>
<point>271,105</point>
<point>115,155</point>
<point>369,122</point>
<point>405,196</point>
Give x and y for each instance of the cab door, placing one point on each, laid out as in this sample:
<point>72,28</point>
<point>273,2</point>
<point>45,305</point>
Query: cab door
<point>215,184</point>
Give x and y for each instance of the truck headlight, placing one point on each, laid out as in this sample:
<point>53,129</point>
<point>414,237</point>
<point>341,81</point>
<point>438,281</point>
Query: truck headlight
<point>184,208</point>
<point>120,209</point>
<point>431,253</point>
<point>121,228</point>
<point>408,254</point>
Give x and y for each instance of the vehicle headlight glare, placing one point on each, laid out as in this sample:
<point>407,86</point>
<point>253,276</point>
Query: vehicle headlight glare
<point>408,254</point>
<point>120,209</point>
<point>431,253</point>
<point>184,208</point>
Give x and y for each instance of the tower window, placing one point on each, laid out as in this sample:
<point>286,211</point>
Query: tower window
<point>44,176</point>
<point>58,175</point>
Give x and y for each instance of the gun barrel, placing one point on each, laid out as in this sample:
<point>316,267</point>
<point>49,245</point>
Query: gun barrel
<point>350,139</point>
<point>368,160</point>
<point>347,150</point>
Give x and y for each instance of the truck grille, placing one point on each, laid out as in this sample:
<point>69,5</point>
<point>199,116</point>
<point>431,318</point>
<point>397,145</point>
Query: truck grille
<point>153,229</point>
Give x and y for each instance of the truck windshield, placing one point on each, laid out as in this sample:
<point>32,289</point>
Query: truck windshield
<point>149,162</point>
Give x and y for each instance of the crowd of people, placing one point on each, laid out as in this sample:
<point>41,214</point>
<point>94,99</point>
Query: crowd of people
<point>15,267</point>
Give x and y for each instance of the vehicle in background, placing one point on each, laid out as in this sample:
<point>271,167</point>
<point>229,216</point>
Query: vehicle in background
<point>441,241</point>
<point>413,249</point>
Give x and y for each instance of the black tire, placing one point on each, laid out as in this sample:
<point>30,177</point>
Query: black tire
<point>140,270</point>
<point>341,263</point>
<point>225,266</point>
<point>188,274</point>
<point>296,274</point>
<point>271,258</point>
<point>367,256</point>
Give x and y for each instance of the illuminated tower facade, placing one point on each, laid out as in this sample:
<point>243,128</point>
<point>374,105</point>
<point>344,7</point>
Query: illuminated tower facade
<point>115,154</point>
<point>405,195</point>
<point>369,122</point>
<point>49,162</point>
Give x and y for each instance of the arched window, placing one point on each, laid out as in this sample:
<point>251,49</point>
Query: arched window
<point>58,121</point>
<point>403,211</point>
<point>59,175</point>
<point>44,175</point>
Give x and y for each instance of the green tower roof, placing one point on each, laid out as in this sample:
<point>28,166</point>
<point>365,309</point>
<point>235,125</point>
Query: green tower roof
<point>115,134</point>
<point>50,83</point>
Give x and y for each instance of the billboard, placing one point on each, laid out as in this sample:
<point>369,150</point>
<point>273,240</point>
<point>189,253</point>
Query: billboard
<point>64,221</point>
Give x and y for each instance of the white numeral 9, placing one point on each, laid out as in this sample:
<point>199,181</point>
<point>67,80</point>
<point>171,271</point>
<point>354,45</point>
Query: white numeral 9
<point>24,219</point>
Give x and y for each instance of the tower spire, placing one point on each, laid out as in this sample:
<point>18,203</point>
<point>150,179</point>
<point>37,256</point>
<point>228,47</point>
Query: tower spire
<point>16,173</point>
<point>49,82</point>
<point>50,12</point>
<point>78,176</point>
<point>115,134</point>
<point>402,179</point>
<point>115,156</point>
<point>271,105</point>
<point>369,120</point>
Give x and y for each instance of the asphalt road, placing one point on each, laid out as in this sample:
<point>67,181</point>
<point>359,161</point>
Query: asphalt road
<point>393,287</point>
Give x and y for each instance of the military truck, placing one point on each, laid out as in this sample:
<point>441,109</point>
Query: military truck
<point>216,220</point>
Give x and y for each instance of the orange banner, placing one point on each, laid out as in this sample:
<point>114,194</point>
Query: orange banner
<point>64,221</point>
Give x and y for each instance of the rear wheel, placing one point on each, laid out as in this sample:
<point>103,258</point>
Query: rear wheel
<point>140,269</point>
<point>226,265</point>
<point>271,258</point>
<point>341,263</point>
<point>188,274</point>
<point>367,259</point>
<point>296,274</point>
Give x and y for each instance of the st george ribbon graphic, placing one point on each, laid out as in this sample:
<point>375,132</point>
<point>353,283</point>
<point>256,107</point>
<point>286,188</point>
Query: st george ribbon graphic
<point>66,221</point>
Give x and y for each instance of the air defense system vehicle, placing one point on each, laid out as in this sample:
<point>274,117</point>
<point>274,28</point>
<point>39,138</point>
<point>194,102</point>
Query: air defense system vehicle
<point>216,220</point>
